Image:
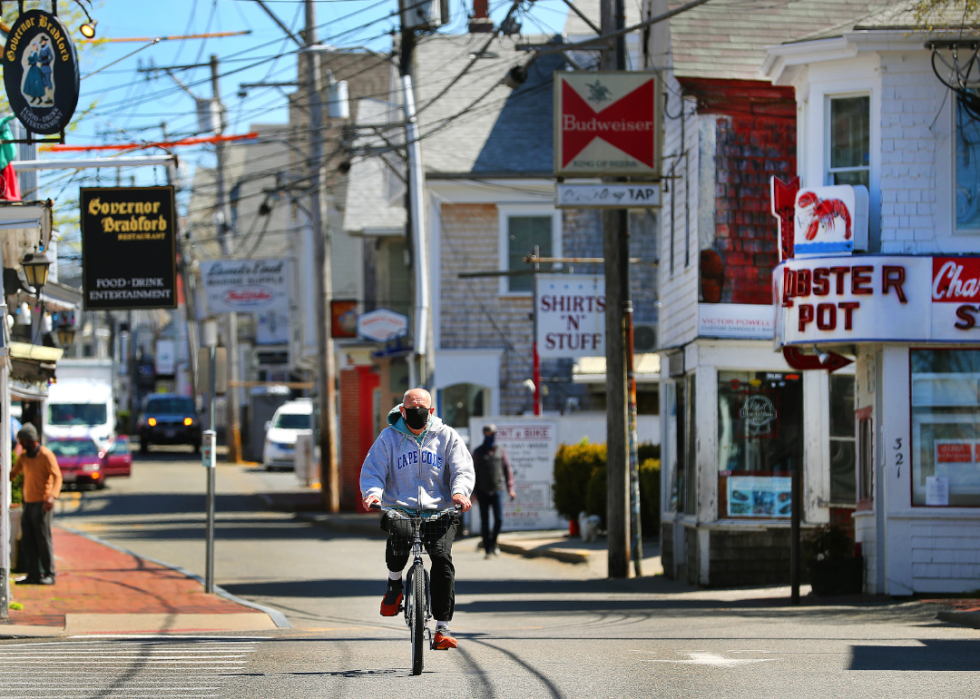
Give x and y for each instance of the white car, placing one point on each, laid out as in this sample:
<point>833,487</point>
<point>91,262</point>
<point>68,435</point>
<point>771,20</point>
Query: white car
<point>280,433</point>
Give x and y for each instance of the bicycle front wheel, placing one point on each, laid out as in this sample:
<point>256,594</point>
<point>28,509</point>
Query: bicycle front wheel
<point>418,618</point>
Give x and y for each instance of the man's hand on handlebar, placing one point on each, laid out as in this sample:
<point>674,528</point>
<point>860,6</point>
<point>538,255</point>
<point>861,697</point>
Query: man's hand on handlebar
<point>462,501</point>
<point>370,500</point>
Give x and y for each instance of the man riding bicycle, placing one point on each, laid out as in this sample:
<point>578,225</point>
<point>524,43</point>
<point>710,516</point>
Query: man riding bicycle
<point>419,462</point>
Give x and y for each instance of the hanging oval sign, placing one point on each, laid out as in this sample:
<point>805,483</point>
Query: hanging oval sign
<point>40,72</point>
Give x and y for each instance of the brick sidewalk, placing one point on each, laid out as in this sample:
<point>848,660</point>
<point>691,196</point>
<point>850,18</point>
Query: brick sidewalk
<point>96,579</point>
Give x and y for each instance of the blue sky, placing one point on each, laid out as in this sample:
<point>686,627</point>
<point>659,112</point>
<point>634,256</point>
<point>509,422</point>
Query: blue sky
<point>129,106</point>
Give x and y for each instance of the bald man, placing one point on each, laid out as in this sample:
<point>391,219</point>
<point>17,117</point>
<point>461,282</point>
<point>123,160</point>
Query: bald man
<point>419,462</point>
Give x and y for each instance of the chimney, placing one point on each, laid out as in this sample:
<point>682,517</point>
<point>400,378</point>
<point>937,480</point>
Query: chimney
<point>480,22</point>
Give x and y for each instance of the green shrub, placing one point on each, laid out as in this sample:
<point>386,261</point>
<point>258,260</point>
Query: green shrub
<point>650,497</point>
<point>595,495</point>
<point>574,466</point>
<point>647,451</point>
<point>17,490</point>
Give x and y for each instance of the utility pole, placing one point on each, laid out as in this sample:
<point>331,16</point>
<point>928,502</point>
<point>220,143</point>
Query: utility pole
<point>422,354</point>
<point>329,476</point>
<point>615,252</point>
<point>233,436</point>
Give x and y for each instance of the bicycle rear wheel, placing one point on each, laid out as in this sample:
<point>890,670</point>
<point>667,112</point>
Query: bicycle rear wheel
<point>418,617</point>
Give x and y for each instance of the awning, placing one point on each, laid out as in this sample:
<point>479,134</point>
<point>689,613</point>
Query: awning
<point>33,364</point>
<point>646,369</point>
<point>25,226</point>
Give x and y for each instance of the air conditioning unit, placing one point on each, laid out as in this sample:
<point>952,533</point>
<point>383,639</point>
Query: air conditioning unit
<point>424,14</point>
<point>644,337</point>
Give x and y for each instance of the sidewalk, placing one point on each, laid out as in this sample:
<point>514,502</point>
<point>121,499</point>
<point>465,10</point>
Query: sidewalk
<point>103,589</point>
<point>558,545</point>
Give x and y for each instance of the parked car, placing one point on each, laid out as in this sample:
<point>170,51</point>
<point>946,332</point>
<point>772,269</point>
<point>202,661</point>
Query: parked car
<point>280,433</point>
<point>118,459</point>
<point>81,461</point>
<point>167,418</point>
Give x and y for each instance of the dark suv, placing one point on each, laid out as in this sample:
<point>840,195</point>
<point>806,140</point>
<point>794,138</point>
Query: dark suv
<point>169,419</point>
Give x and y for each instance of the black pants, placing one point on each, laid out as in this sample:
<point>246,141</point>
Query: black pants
<point>35,537</point>
<point>490,502</point>
<point>438,540</point>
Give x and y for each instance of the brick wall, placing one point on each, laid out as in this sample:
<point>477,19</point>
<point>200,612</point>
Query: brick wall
<point>749,150</point>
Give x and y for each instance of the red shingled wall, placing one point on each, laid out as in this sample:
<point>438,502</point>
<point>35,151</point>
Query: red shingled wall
<point>357,386</point>
<point>750,149</point>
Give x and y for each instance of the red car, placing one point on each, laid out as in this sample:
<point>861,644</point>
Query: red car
<point>80,460</point>
<point>118,459</point>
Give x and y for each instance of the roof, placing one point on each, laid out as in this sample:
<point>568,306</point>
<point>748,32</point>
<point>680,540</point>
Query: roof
<point>506,132</point>
<point>646,368</point>
<point>902,17</point>
<point>727,39</point>
<point>375,187</point>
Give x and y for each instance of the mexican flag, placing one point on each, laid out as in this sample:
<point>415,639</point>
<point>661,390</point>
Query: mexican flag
<point>9,189</point>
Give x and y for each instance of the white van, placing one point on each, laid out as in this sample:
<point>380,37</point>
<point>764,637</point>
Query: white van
<point>290,419</point>
<point>78,408</point>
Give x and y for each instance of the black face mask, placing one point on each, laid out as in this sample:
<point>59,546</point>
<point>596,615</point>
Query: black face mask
<point>416,418</point>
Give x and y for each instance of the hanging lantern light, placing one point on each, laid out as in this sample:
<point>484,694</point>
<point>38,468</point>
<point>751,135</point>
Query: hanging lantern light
<point>36,266</point>
<point>66,335</point>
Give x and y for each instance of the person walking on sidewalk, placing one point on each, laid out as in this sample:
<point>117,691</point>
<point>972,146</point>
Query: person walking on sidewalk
<point>42,486</point>
<point>419,463</point>
<point>493,473</point>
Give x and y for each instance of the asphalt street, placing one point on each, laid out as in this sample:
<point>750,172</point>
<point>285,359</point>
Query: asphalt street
<point>527,627</point>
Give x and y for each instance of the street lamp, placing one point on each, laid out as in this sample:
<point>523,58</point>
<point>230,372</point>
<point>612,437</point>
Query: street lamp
<point>36,265</point>
<point>88,29</point>
<point>66,335</point>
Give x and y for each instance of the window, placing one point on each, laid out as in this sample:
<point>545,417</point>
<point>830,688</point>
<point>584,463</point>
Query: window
<point>691,449</point>
<point>849,160</point>
<point>945,427</point>
<point>77,413</point>
<point>842,448</point>
<point>294,421</point>
<point>967,172</point>
<point>73,447</point>
<point>865,483</point>
<point>521,229</point>
<point>171,406</point>
<point>760,442</point>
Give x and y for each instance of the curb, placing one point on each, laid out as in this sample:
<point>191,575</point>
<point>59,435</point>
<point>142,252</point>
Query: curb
<point>970,619</point>
<point>278,618</point>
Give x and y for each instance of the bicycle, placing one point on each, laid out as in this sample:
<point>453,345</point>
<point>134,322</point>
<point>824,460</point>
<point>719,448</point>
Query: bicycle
<point>418,603</point>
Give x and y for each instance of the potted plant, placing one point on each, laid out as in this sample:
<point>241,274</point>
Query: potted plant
<point>833,567</point>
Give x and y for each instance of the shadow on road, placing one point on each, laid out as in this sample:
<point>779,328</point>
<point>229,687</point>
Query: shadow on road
<point>931,656</point>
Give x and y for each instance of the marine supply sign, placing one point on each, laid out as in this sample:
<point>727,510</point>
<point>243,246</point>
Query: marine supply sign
<point>247,286</point>
<point>608,123</point>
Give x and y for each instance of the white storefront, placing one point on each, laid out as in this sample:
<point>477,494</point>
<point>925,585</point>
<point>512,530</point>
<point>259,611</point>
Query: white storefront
<point>906,307</point>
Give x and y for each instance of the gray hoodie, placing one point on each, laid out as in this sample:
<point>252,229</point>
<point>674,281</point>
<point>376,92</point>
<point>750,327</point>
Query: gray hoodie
<point>403,472</point>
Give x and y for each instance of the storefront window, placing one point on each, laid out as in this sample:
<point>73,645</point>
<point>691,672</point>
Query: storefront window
<point>691,452</point>
<point>843,475</point>
<point>967,172</point>
<point>945,427</point>
<point>671,456</point>
<point>760,442</point>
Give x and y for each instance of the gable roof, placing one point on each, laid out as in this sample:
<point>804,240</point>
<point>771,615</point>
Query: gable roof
<point>727,39</point>
<point>507,132</point>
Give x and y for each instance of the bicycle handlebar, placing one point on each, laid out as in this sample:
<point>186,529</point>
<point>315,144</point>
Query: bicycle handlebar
<point>377,506</point>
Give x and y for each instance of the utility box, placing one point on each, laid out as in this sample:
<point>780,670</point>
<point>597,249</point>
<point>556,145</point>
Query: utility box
<point>263,401</point>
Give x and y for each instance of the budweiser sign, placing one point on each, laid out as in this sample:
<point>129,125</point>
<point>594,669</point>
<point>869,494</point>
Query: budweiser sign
<point>607,123</point>
<point>956,279</point>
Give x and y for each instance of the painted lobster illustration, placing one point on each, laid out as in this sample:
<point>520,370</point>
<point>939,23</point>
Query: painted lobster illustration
<point>824,211</point>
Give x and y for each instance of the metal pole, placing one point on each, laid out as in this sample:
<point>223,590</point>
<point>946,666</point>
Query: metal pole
<point>233,435</point>
<point>422,351</point>
<point>329,475</point>
<point>794,526</point>
<point>617,433</point>
<point>535,357</point>
<point>209,553</point>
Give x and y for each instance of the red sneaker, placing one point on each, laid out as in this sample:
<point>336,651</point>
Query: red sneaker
<point>392,602</point>
<point>444,640</point>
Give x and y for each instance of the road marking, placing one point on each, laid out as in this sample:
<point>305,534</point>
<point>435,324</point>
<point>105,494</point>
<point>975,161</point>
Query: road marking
<point>712,660</point>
